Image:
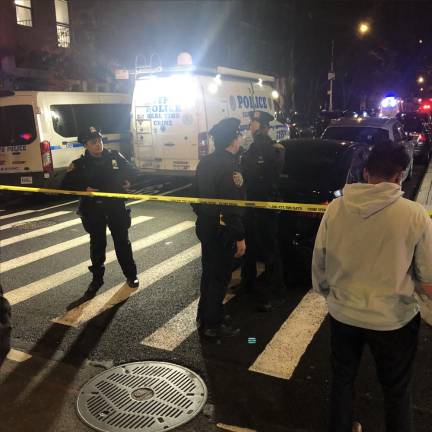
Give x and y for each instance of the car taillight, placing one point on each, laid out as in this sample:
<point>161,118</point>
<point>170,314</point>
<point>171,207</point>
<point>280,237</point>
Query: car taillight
<point>203,144</point>
<point>47,162</point>
<point>421,138</point>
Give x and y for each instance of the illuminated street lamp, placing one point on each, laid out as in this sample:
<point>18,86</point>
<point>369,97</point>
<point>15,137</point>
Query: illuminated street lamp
<point>363,28</point>
<point>420,80</point>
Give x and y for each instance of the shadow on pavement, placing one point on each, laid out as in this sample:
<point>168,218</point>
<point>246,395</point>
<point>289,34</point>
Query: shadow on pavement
<point>34,393</point>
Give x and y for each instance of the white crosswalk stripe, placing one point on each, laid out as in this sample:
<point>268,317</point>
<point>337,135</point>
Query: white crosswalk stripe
<point>35,219</point>
<point>39,232</point>
<point>284,352</point>
<point>40,286</point>
<point>48,230</point>
<point>173,333</point>
<point>25,212</point>
<point>106,300</point>
<point>15,263</point>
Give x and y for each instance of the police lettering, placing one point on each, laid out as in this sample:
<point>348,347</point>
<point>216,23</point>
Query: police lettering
<point>252,102</point>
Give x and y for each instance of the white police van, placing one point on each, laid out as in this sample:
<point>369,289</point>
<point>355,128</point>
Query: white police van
<point>38,132</point>
<point>174,108</point>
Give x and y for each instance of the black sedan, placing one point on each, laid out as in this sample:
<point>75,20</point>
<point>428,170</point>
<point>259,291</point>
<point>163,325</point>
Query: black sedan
<point>420,130</point>
<point>315,172</point>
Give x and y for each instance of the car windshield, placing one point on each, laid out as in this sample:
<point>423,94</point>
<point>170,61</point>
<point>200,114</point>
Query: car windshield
<point>315,165</point>
<point>358,134</point>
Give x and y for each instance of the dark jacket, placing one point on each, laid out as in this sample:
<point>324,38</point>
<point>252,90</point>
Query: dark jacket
<point>218,175</point>
<point>262,166</point>
<point>106,174</point>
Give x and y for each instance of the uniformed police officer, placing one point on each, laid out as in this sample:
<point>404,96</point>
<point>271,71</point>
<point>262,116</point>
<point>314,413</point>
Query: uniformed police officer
<point>219,228</point>
<point>103,170</point>
<point>262,165</point>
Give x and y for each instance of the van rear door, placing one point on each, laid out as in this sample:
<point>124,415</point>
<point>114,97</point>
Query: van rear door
<point>20,151</point>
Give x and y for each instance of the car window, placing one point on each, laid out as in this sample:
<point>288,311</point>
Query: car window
<point>358,134</point>
<point>17,125</point>
<point>413,124</point>
<point>63,120</point>
<point>358,162</point>
<point>68,120</point>
<point>325,169</point>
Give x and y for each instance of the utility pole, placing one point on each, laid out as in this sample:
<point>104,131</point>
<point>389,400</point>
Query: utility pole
<point>331,77</point>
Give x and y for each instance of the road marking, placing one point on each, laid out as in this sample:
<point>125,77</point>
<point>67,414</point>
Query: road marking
<point>40,232</point>
<point>120,293</point>
<point>283,353</point>
<point>31,257</point>
<point>22,213</point>
<point>35,219</point>
<point>233,428</point>
<point>174,332</point>
<point>40,286</point>
<point>18,356</point>
<point>47,230</point>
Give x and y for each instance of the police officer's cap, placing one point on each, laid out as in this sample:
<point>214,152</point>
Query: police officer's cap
<point>263,117</point>
<point>89,133</point>
<point>225,132</point>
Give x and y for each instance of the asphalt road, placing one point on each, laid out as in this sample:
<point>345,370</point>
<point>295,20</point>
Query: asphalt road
<point>273,377</point>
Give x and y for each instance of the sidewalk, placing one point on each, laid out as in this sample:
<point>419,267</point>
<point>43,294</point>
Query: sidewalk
<point>424,197</point>
<point>424,194</point>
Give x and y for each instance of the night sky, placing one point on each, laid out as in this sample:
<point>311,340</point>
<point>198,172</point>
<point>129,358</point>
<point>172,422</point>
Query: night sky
<point>284,38</point>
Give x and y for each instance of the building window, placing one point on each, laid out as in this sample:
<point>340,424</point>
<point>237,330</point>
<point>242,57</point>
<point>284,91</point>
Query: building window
<point>24,12</point>
<point>62,22</point>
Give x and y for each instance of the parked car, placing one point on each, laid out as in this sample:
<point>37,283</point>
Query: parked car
<point>419,128</point>
<point>371,131</point>
<point>315,172</point>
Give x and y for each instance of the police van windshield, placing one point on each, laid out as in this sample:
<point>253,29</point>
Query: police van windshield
<point>358,134</point>
<point>17,125</point>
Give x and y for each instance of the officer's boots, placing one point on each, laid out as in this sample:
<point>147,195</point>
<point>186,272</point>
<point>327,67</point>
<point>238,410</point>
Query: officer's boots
<point>96,283</point>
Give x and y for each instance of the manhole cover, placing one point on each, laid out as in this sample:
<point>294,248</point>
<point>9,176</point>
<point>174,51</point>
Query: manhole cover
<point>143,396</point>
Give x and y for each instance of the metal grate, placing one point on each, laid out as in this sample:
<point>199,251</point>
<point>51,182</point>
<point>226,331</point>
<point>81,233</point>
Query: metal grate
<point>141,397</point>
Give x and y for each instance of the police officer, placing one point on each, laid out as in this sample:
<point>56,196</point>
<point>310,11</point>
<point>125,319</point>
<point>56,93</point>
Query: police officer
<point>103,170</point>
<point>219,228</point>
<point>262,165</point>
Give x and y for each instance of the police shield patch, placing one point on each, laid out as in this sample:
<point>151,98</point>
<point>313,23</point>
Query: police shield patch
<point>238,179</point>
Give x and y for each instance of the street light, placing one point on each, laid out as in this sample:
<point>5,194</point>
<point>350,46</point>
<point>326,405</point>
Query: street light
<point>420,80</point>
<point>363,28</point>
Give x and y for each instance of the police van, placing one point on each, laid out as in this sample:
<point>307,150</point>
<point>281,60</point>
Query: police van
<point>174,108</point>
<point>38,132</point>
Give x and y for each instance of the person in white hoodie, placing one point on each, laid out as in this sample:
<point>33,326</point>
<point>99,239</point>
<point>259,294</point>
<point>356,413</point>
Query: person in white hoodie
<point>373,250</point>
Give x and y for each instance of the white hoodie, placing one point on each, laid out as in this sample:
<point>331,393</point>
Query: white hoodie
<point>371,249</point>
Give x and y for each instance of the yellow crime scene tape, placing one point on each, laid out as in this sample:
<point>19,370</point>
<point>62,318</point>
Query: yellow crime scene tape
<point>273,205</point>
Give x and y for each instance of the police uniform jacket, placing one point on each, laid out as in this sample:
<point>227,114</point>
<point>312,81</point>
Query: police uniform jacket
<point>262,166</point>
<point>106,173</point>
<point>218,175</point>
